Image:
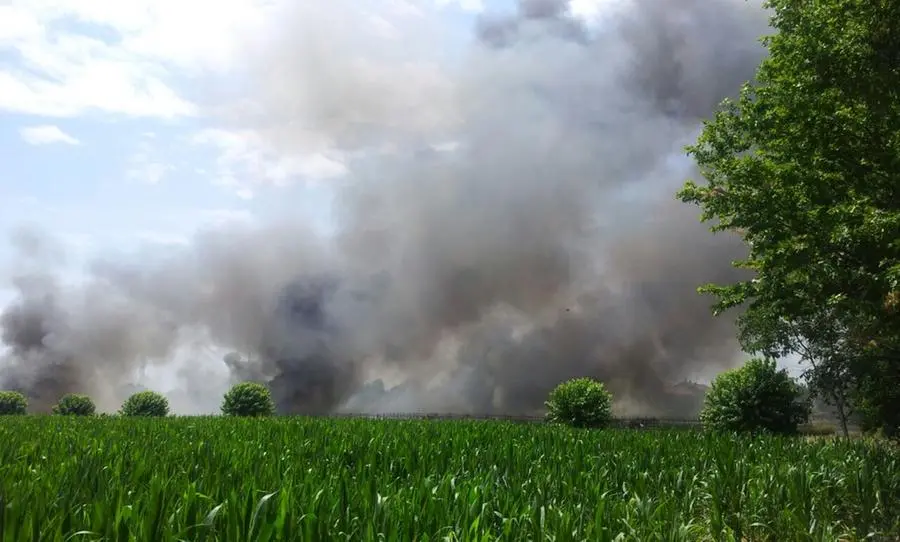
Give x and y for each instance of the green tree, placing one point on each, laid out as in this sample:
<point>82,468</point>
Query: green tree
<point>580,402</point>
<point>819,344</point>
<point>756,397</point>
<point>12,403</point>
<point>805,166</point>
<point>75,404</point>
<point>248,399</point>
<point>146,403</point>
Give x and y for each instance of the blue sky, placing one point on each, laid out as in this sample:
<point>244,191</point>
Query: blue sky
<point>106,135</point>
<point>105,140</point>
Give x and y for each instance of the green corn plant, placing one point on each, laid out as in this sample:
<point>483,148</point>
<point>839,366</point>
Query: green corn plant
<point>285,478</point>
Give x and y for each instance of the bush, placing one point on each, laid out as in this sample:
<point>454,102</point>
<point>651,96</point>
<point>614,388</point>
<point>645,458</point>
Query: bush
<point>12,403</point>
<point>146,403</point>
<point>877,402</point>
<point>755,398</point>
<point>581,402</point>
<point>248,399</point>
<point>75,404</point>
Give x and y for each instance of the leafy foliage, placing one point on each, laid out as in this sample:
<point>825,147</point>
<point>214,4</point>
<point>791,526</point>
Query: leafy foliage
<point>580,402</point>
<point>146,403</point>
<point>822,348</point>
<point>753,398</point>
<point>805,166</point>
<point>248,399</point>
<point>12,403</point>
<point>285,478</point>
<point>75,404</point>
<point>878,402</point>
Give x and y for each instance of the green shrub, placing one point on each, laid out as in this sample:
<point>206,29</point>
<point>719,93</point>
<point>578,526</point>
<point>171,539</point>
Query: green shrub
<point>755,398</point>
<point>146,403</point>
<point>12,403</point>
<point>75,404</point>
<point>580,402</point>
<point>877,403</point>
<point>248,399</point>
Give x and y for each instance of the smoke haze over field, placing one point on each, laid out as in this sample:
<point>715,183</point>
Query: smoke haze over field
<point>508,222</point>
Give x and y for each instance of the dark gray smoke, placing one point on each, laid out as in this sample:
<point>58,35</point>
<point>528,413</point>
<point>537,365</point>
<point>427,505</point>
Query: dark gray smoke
<point>544,243</point>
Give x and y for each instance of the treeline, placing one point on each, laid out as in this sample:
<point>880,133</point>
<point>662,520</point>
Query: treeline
<point>756,397</point>
<point>244,399</point>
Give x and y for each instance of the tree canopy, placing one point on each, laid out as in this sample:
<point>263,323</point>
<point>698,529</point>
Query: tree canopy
<point>805,166</point>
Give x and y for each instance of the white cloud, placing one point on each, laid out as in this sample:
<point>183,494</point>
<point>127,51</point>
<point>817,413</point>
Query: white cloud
<point>222,217</point>
<point>197,35</point>
<point>64,69</point>
<point>383,28</point>
<point>243,193</point>
<point>138,58</point>
<point>245,161</point>
<point>475,6</point>
<point>66,75</point>
<point>179,228</point>
<point>146,171</point>
<point>16,24</point>
<point>162,238</point>
<point>45,135</point>
<point>145,165</point>
<point>592,10</point>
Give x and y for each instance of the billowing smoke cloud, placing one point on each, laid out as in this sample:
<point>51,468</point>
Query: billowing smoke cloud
<point>509,223</point>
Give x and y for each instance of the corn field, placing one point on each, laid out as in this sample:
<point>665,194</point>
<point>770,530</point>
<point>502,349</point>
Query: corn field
<point>215,478</point>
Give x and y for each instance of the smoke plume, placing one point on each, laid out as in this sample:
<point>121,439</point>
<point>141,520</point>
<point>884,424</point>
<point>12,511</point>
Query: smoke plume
<point>508,222</point>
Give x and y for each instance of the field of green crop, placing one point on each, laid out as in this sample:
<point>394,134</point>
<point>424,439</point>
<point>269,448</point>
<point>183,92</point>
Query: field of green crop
<point>317,480</point>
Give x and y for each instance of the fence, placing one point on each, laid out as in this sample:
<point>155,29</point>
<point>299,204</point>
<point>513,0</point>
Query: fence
<point>632,423</point>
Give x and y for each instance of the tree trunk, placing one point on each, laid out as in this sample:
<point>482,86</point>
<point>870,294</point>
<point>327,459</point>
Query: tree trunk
<point>842,412</point>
